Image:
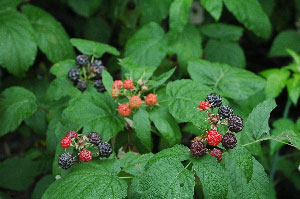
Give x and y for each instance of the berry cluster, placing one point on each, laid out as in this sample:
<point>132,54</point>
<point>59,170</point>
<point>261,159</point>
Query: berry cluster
<point>89,71</point>
<point>133,93</point>
<point>209,141</point>
<point>83,144</point>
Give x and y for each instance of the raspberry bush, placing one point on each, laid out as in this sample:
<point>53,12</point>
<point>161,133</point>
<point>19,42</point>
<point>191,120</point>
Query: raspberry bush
<point>149,99</point>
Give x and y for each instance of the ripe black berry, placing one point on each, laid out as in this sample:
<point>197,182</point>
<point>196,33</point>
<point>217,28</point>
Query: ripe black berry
<point>235,123</point>
<point>104,149</point>
<point>98,72</point>
<point>225,111</point>
<point>97,62</point>
<point>82,60</point>
<point>214,100</point>
<point>94,138</point>
<point>74,74</point>
<point>99,85</point>
<point>197,148</point>
<point>65,160</point>
<point>81,85</point>
<point>229,141</point>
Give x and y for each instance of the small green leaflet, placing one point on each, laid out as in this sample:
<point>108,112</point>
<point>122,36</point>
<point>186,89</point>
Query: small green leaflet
<point>107,80</point>
<point>142,127</point>
<point>222,31</point>
<point>214,7</point>
<point>179,14</point>
<point>85,8</point>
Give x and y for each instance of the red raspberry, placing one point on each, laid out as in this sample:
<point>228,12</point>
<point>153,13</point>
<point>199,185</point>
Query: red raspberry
<point>203,105</point>
<point>128,84</point>
<point>72,134</point>
<point>66,142</point>
<point>213,138</point>
<point>85,156</point>
<point>135,102</point>
<point>151,99</point>
<point>124,110</point>
<point>197,148</point>
<point>117,84</point>
<point>217,153</point>
<point>115,92</point>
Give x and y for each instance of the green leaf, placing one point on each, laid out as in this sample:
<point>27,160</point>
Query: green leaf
<point>214,7</point>
<point>41,186</point>
<point>222,31</point>
<point>293,86</point>
<point>61,87</point>
<point>142,127</point>
<point>17,173</point>
<point>226,52</point>
<point>97,179</point>
<point>17,47</point>
<point>166,125</point>
<point>50,35</point>
<point>38,122</point>
<point>251,15</point>
<point>286,39</point>
<point>185,96</point>
<point>187,45</point>
<point>257,123</point>
<point>134,164</point>
<point>93,48</point>
<point>97,29</point>
<point>16,104</point>
<point>85,8</point>
<point>179,14</point>
<point>212,176</point>
<point>157,82</point>
<point>146,46</point>
<point>95,112</point>
<point>8,4</point>
<point>107,80</point>
<point>61,69</point>
<point>230,82</point>
<point>155,10</point>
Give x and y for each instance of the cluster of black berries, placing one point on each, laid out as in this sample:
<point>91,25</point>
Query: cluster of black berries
<point>83,144</point>
<point>211,137</point>
<point>88,71</point>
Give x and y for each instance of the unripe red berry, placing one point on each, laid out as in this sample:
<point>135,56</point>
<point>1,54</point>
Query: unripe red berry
<point>117,84</point>
<point>135,102</point>
<point>203,105</point>
<point>124,110</point>
<point>85,156</point>
<point>66,142</point>
<point>128,84</point>
<point>72,134</point>
<point>151,99</point>
<point>115,92</point>
<point>217,153</point>
<point>213,137</point>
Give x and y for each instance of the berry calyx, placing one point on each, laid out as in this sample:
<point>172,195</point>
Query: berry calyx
<point>213,137</point>
<point>81,85</point>
<point>203,105</point>
<point>225,111</point>
<point>214,100</point>
<point>74,74</point>
<point>235,123</point>
<point>65,161</point>
<point>115,92</point>
<point>229,141</point>
<point>72,134</point>
<point>66,142</point>
<point>128,84</point>
<point>151,99</point>
<point>82,60</point>
<point>117,84</point>
<point>124,110</point>
<point>135,102</point>
<point>104,149</point>
<point>217,153</point>
<point>197,148</point>
<point>85,156</point>
<point>98,84</point>
<point>94,138</point>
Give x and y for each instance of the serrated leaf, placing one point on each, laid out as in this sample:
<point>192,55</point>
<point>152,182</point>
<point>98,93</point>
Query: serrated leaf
<point>18,173</point>
<point>107,80</point>
<point>16,104</point>
<point>95,112</point>
<point>251,14</point>
<point>17,47</point>
<point>156,82</point>
<point>37,122</point>
<point>146,46</point>
<point>96,49</point>
<point>187,45</point>
<point>134,164</point>
<point>257,123</point>
<point>85,8</point>
<point>97,179</point>
<point>179,14</point>
<point>142,127</point>
<point>214,7</point>
<point>293,87</point>
<point>61,69</point>
<point>155,10</point>
<point>222,31</point>
<point>8,4</point>
<point>230,82</point>
<point>61,87</point>
<point>41,186</point>
<point>226,52</point>
<point>287,39</point>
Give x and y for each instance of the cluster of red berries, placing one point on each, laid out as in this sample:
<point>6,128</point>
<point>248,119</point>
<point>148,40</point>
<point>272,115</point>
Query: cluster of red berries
<point>210,140</point>
<point>84,144</point>
<point>128,89</point>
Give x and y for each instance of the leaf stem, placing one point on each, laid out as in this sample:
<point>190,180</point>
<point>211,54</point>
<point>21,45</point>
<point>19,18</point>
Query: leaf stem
<point>188,164</point>
<point>126,177</point>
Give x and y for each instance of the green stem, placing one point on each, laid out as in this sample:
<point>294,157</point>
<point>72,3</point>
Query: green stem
<point>84,74</point>
<point>126,177</point>
<point>188,164</point>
